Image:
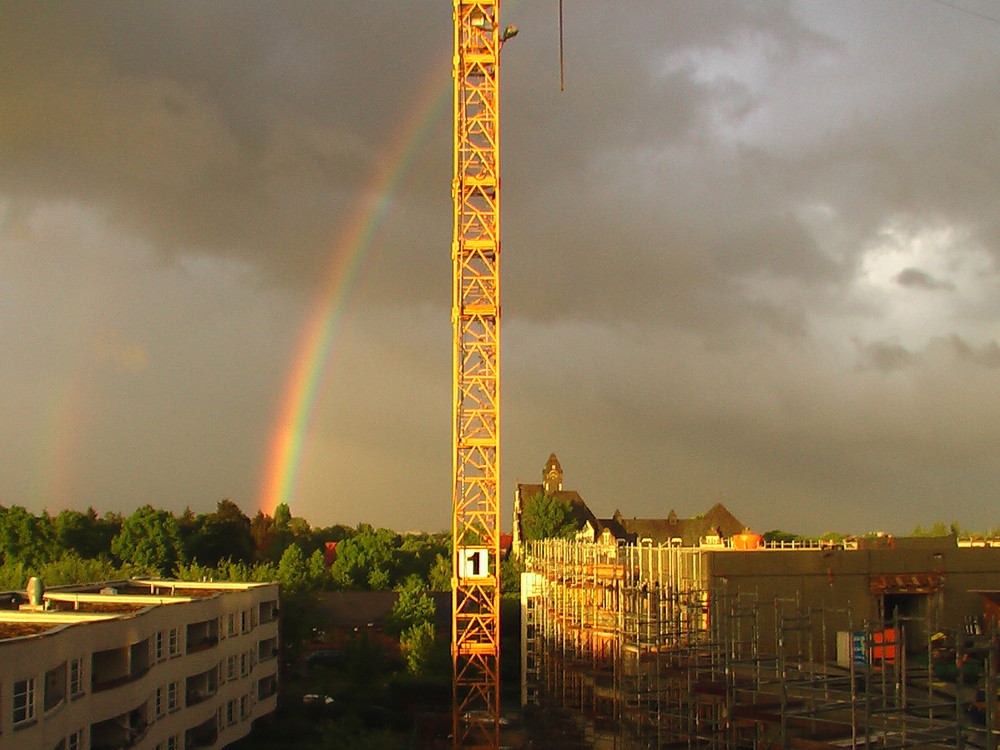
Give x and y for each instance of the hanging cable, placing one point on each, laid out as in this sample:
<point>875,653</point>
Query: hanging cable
<point>562,76</point>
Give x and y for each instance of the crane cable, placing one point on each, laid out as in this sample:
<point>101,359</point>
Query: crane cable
<point>562,76</point>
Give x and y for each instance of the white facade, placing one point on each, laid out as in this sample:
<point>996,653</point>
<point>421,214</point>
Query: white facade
<point>157,664</point>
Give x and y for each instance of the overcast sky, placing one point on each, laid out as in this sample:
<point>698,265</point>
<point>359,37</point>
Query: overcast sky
<point>751,255</point>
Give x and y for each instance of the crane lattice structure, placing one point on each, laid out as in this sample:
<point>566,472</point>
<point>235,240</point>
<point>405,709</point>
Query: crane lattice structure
<point>476,393</point>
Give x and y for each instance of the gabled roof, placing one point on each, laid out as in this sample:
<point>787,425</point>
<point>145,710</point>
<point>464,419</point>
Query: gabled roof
<point>689,530</point>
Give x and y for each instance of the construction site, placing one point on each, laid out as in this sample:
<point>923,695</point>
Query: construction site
<point>887,643</point>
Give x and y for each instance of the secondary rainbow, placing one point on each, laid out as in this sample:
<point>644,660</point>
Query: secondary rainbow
<point>346,259</point>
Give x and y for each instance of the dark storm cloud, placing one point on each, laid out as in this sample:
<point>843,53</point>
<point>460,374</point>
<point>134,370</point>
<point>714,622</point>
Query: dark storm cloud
<point>987,355</point>
<point>235,128</point>
<point>914,278</point>
<point>725,250</point>
<point>885,356</point>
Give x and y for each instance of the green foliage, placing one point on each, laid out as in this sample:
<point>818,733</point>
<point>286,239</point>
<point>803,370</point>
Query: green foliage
<point>26,538</point>
<point>413,607</point>
<point>777,535</point>
<point>282,516</point>
<point>418,645</point>
<point>316,572</point>
<point>70,568</point>
<point>227,570</point>
<point>510,575</point>
<point>85,533</point>
<point>149,540</point>
<point>366,560</point>
<point>292,571</point>
<point>366,662</point>
<point>439,575</point>
<point>222,535</point>
<point>545,516</point>
<point>939,528</point>
<point>418,553</point>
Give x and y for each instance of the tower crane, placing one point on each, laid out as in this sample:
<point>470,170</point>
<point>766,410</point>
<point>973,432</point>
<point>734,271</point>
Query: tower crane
<point>475,251</point>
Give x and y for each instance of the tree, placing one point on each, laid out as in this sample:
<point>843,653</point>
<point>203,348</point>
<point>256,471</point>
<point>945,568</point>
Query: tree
<point>316,572</point>
<point>292,571</point>
<point>282,516</point>
<point>412,607</point>
<point>150,539</point>
<point>418,645</point>
<point>86,534</point>
<point>439,576</point>
<point>222,535</point>
<point>26,538</point>
<point>545,516</point>
<point>939,528</point>
<point>777,535</point>
<point>365,561</point>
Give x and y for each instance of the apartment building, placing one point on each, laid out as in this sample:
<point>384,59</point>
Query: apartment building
<point>143,663</point>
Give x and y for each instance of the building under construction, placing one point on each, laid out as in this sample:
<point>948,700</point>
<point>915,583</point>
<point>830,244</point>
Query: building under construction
<point>888,642</point>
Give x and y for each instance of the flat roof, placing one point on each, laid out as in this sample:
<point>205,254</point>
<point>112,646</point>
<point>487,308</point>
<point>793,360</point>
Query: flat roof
<point>80,603</point>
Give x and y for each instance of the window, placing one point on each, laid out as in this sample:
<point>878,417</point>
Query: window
<point>244,665</point>
<point>158,703</point>
<point>55,687</point>
<point>75,677</point>
<point>232,623</point>
<point>244,621</point>
<point>24,700</point>
<point>231,712</point>
<point>173,641</point>
<point>172,696</point>
<point>172,742</point>
<point>159,645</point>
<point>75,740</point>
<point>231,667</point>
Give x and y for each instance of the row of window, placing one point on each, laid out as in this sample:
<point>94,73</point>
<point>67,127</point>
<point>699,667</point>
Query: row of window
<point>68,678</point>
<point>23,692</point>
<point>166,698</point>
<point>235,711</point>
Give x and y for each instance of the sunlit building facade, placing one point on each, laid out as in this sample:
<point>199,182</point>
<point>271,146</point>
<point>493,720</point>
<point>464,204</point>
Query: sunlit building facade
<point>143,663</point>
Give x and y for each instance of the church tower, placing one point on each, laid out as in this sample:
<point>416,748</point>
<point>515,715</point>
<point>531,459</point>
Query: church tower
<point>552,476</point>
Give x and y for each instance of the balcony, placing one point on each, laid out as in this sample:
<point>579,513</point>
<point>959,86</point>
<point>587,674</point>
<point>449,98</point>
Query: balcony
<point>267,650</point>
<point>266,687</point>
<point>268,612</point>
<point>119,666</point>
<point>202,635</point>
<point>204,735</point>
<point>121,732</point>
<point>200,687</point>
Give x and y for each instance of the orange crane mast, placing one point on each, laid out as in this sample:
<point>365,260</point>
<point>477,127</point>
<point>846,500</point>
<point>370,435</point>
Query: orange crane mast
<point>475,315</point>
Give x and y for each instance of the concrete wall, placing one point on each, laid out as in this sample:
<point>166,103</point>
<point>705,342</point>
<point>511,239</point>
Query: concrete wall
<point>31,657</point>
<point>834,585</point>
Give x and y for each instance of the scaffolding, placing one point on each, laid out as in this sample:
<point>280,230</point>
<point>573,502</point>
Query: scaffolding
<point>635,646</point>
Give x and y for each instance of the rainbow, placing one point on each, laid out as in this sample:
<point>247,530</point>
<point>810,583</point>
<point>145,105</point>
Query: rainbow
<point>346,259</point>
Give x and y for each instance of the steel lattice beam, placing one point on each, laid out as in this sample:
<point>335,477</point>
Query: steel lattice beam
<point>476,376</point>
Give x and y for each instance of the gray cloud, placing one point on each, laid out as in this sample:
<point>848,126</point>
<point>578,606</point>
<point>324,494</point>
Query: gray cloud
<point>914,278</point>
<point>714,241</point>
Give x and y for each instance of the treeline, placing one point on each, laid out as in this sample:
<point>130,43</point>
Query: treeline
<point>75,546</point>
